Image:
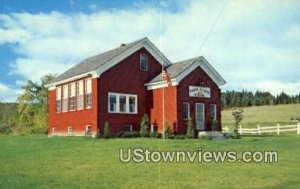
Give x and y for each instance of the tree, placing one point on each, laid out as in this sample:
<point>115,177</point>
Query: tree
<point>33,106</point>
<point>144,126</point>
<point>190,133</point>
<point>106,133</point>
<point>238,117</point>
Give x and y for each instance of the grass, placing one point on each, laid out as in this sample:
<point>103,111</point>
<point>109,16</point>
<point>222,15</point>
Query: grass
<point>264,115</point>
<point>38,161</point>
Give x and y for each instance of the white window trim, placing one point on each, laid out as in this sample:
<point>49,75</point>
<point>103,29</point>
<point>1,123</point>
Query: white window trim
<point>70,133</point>
<point>127,103</point>
<point>189,111</point>
<point>215,107</point>
<point>147,60</point>
<point>130,126</point>
<point>65,97</point>
<point>86,128</point>
<point>80,95</point>
<point>152,128</point>
<point>54,129</point>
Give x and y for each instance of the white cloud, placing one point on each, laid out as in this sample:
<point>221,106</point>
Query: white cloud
<point>7,94</point>
<point>249,45</point>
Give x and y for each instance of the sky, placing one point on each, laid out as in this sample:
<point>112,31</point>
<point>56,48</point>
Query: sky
<point>254,45</point>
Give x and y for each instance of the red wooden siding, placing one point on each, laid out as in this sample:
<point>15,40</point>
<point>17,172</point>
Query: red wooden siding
<point>198,78</point>
<point>156,108</point>
<point>78,119</point>
<point>126,77</point>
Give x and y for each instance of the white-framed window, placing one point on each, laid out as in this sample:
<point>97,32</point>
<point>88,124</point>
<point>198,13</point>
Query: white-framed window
<point>128,128</point>
<point>72,89</point>
<point>88,93</point>
<point>65,98</point>
<point>88,129</point>
<point>154,128</point>
<point>143,62</point>
<point>54,130</point>
<point>80,95</point>
<point>185,110</point>
<point>70,130</point>
<point>58,99</point>
<point>122,103</point>
<point>213,112</point>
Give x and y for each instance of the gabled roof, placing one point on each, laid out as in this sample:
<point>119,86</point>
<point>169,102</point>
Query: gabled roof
<point>100,63</point>
<point>179,70</point>
<point>92,63</point>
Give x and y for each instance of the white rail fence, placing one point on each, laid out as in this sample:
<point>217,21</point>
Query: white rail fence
<point>266,129</point>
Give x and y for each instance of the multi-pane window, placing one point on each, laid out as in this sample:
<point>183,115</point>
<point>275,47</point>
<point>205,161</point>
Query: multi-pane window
<point>143,62</point>
<point>88,130</point>
<point>88,93</point>
<point>185,110</point>
<point>54,130</point>
<point>213,112</point>
<point>70,130</point>
<point>112,103</point>
<point>122,103</point>
<point>132,104</point>
<point>80,95</point>
<point>58,99</point>
<point>65,98</point>
<point>72,96</point>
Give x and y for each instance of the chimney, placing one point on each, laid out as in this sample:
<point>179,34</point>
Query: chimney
<point>122,45</point>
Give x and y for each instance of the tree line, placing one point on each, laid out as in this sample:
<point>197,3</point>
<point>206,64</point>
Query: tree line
<point>247,98</point>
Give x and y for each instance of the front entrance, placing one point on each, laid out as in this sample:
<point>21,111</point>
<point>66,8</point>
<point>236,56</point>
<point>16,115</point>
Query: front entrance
<point>200,119</point>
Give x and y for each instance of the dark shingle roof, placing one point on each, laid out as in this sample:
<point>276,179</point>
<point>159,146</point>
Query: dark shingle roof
<point>96,61</point>
<point>176,69</point>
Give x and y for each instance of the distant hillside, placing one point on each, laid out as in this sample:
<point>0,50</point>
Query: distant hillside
<point>264,115</point>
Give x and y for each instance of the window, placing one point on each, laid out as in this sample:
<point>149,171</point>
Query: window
<point>185,110</point>
<point>213,112</point>
<point>132,104</point>
<point>112,103</point>
<point>154,128</point>
<point>127,128</point>
<point>80,95</point>
<point>143,62</point>
<point>70,130</point>
<point>58,99</point>
<point>54,130</point>
<point>65,98</point>
<point>88,93</point>
<point>88,130</point>
<point>122,103</point>
<point>72,96</point>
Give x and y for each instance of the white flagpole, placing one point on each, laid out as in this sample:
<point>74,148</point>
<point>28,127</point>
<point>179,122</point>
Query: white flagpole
<point>162,80</point>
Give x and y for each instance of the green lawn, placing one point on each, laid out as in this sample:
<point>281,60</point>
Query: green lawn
<point>264,115</point>
<point>45,162</point>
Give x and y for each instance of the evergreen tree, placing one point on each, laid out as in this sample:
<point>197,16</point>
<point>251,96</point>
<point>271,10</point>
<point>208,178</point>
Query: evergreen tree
<point>106,132</point>
<point>144,126</point>
<point>190,133</point>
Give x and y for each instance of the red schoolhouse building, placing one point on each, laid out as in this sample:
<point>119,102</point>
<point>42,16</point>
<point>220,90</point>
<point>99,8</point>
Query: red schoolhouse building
<point>121,85</point>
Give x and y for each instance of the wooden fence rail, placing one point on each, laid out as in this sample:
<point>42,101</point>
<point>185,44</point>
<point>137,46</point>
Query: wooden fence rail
<point>266,129</point>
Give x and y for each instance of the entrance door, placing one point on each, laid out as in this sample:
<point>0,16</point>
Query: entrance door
<point>200,119</point>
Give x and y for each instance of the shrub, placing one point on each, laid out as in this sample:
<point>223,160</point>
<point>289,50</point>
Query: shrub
<point>106,133</point>
<point>190,132</point>
<point>168,133</point>
<point>98,134</point>
<point>238,117</point>
<point>155,135</point>
<point>144,126</point>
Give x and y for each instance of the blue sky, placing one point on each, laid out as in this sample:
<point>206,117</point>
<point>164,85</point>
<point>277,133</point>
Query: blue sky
<point>255,45</point>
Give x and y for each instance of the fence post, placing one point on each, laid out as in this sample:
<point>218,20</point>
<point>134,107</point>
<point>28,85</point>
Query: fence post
<point>278,129</point>
<point>241,131</point>
<point>298,131</point>
<point>258,129</point>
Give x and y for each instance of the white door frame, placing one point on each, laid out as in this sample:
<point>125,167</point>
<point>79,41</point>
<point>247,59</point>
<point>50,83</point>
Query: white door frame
<point>203,112</point>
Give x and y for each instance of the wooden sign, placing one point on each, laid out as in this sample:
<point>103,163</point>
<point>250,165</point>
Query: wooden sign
<point>202,92</point>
